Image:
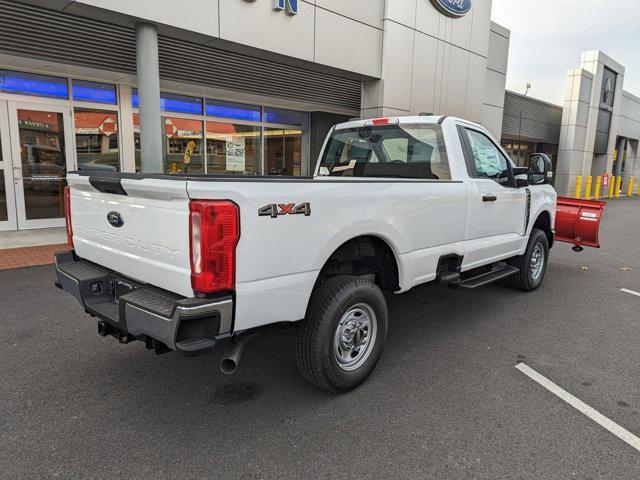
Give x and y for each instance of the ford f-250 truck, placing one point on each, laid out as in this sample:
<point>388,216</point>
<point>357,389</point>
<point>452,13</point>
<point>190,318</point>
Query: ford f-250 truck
<point>185,262</point>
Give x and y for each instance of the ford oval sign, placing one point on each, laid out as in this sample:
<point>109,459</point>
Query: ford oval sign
<point>453,8</point>
<point>115,219</point>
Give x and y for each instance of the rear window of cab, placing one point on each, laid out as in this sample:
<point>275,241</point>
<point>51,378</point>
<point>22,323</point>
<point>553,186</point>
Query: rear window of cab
<point>387,151</point>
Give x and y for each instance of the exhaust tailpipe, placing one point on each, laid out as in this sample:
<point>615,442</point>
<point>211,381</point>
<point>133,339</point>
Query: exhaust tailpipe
<point>231,358</point>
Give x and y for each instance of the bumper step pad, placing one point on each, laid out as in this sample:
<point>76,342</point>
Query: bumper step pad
<point>129,310</point>
<point>149,300</point>
<point>194,345</point>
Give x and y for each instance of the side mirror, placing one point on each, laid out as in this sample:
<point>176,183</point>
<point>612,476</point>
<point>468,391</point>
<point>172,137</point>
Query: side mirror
<point>540,169</point>
<point>521,175</point>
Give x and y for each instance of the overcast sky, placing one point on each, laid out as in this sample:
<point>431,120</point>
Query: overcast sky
<point>547,37</point>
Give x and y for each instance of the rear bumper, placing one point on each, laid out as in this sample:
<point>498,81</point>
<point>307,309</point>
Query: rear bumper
<point>131,311</point>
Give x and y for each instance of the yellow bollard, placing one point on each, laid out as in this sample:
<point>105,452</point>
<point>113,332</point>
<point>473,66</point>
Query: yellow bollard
<point>587,189</point>
<point>630,187</point>
<point>578,186</point>
<point>612,185</point>
<point>618,186</point>
<point>596,195</point>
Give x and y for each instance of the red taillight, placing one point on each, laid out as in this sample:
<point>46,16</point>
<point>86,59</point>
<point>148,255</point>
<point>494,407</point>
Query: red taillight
<point>214,231</point>
<point>67,215</point>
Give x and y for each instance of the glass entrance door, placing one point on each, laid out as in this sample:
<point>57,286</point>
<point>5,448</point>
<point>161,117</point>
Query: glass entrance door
<point>41,151</point>
<point>8,219</point>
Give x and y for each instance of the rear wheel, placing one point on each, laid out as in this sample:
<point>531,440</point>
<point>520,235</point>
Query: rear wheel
<point>533,264</point>
<point>341,340</point>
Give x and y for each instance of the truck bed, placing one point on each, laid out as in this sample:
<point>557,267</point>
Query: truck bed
<point>276,256</point>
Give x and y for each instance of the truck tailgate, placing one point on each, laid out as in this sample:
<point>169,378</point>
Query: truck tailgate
<point>147,238</point>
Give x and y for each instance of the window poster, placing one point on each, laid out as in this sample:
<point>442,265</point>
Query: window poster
<point>236,153</point>
<point>487,160</point>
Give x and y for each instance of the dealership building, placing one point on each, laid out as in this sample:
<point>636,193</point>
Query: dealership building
<point>251,87</point>
<point>530,126</point>
<point>245,86</point>
<point>595,132</point>
<point>600,125</point>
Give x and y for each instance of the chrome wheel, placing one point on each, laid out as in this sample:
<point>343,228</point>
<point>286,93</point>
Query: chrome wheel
<point>537,262</point>
<point>355,337</point>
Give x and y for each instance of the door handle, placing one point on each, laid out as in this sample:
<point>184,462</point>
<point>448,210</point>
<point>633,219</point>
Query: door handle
<point>489,198</point>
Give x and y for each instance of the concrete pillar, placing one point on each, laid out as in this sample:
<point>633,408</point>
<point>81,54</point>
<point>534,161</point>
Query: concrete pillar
<point>631,166</point>
<point>622,145</point>
<point>125,130</point>
<point>149,97</point>
<point>104,144</point>
<point>633,157</point>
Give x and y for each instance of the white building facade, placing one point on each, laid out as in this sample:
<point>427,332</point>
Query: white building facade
<point>600,129</point>
<point>248,87</point>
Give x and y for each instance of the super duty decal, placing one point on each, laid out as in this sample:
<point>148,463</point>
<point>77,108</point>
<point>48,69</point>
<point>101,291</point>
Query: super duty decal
<point>275,210</point>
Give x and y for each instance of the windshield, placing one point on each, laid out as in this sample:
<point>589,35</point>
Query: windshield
<point>396,151</point>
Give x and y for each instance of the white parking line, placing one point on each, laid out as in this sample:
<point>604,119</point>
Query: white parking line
<point>579,405</point>
<point>626,290</point>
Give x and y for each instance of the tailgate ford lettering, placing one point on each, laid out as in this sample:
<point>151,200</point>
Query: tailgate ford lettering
<point>115,239</point>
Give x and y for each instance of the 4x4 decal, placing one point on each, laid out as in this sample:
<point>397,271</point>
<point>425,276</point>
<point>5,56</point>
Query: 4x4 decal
<point>275,210</point>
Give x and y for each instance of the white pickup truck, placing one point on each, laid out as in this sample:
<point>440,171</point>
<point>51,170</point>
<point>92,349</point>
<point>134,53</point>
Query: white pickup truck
<point>188,262</point>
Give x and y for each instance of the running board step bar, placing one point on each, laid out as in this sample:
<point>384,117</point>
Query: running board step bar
<point>486,278</point>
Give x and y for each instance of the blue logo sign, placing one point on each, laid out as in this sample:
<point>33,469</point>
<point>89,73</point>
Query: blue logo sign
<point>290,6</point>
<point>115,219</point>
<point>453,8</point>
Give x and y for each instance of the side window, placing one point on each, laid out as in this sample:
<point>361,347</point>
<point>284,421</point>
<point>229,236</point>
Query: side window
<point>488,161</point>
<point>396,149</point>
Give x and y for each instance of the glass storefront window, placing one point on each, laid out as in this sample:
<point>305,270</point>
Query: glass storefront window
<point>233,149</point>
<point>181,103</point>
<point>519,151</point>
<point>136,142</point>
<point>32,84</point>
<point>182,150</point>
<point>284,117</point>
<point>4,214</point>
<point>97,140</point>
<point>42,152</point>
<point>234,111</point>
<point>84,91</point>
<point>283,151</point>
<point>170,102</point>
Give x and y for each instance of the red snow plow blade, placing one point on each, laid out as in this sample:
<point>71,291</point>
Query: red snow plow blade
<point>578,222</point>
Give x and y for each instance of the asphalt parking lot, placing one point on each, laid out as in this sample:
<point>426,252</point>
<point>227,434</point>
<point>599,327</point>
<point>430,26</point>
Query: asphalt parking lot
<point>446,400</point>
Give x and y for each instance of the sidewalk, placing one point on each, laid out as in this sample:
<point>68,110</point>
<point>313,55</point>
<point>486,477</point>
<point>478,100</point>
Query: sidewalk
<point>29,248</point>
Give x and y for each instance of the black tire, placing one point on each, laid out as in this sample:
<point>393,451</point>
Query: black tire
<point>525,279</point>
<point>316,348</point>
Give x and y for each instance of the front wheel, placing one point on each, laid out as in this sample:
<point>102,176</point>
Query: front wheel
<point>341,339</point>
<point>533,264</point>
